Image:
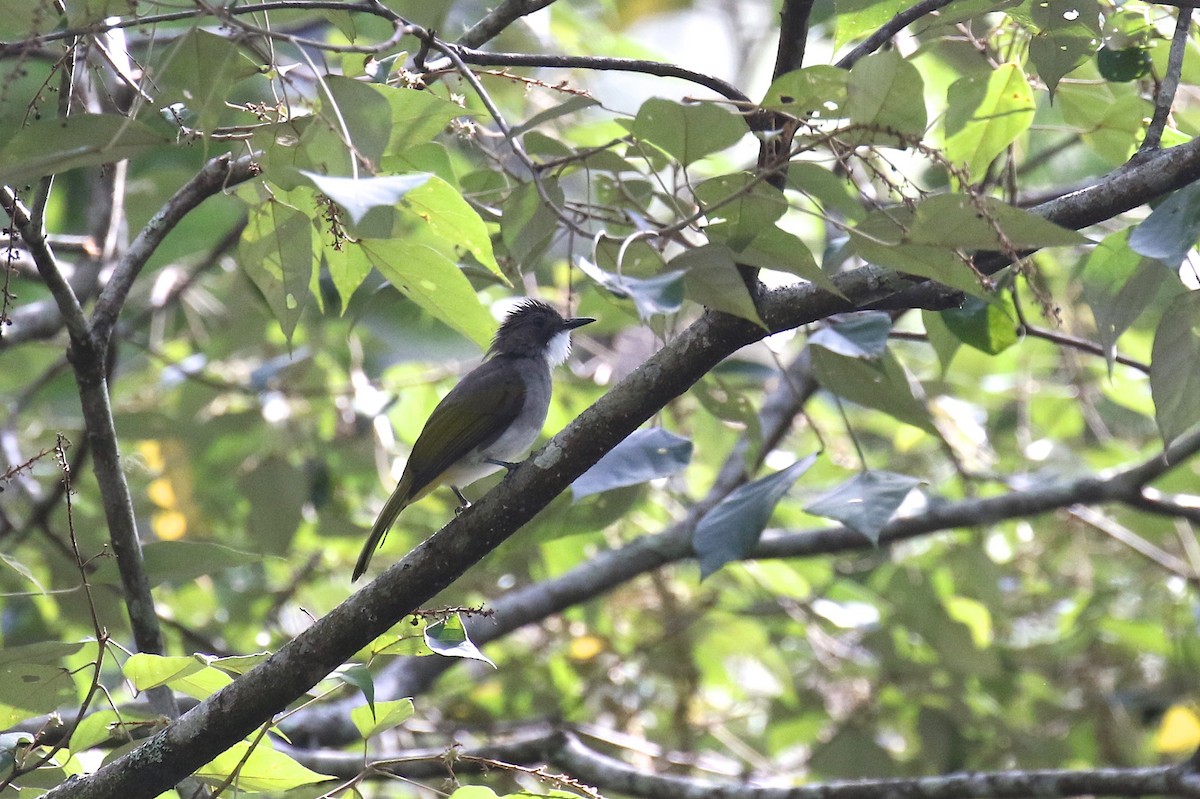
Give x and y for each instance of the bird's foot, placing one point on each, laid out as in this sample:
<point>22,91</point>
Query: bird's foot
<point>508,467</point>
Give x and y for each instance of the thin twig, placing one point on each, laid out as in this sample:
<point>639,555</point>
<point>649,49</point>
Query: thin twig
<point>1170,83</point>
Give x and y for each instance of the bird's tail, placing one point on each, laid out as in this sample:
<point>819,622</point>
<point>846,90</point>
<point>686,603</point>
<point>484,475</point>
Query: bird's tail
<point>400,499</point>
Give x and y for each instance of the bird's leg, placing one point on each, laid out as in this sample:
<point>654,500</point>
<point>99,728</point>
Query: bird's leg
<point>508,467</point>
<point>466,503</point>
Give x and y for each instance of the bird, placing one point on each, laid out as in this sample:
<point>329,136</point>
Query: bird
<point>493,414</point>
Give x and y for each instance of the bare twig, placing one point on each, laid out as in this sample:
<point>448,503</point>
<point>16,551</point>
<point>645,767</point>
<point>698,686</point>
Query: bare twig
<point>1170,82</point>
<point>889,29</point>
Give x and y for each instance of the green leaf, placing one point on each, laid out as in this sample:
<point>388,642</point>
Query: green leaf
<point>880,239</point>
<point>986,326</point>
<point>276,253</point>
<point>645,455</point>
<point>881,384</point>
<point>432,281</point>
<point>985,116</point>
<point>1124,65</point>
<point>359,676</point>
<point>857,18</point>
<point>739,208</point>
<point>731,530</point>
<point>43,652</point>
<point>52,146</point>
<point>442,208</point>
<point>956,220</point>
<point>277,491</point>
<point>263,769</point>
<point>192,675</point>
<point>31,688</point>
<point>662,294</point>
<point>573,104</point>
<point>359,195</point>
<point>1056,53</point>
<point>198,71</point>
<point>711,278</point>
<point>1118,284</point>
<point>1175,367</point>
<point>449,638</point>
<point>818,90</point>
<point>187,560</point>
<point>1172,228</point>
<point>944,343</point>
<point>370,720</point>
<point>775,248</point>
<point>96,728</point>
<point>886,93</point>
<point>834,193</point>
<point>687,132</point>
<point>417,116</point>
<point>1056,15</point>
<point>860,335</point>
<point>865,502</point>
<point>529,223</point>
<point>357,112</point>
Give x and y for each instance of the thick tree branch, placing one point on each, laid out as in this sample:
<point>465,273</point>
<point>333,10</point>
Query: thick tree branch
<point>793,35</point>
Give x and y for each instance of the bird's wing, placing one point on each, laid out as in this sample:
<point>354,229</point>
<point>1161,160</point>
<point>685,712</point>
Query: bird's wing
<point>472,415</point>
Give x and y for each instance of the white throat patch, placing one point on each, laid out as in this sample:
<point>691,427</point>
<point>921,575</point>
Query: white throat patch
<point>558,348</point>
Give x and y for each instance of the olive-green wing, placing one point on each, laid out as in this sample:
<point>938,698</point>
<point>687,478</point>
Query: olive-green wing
<point>472,415</point>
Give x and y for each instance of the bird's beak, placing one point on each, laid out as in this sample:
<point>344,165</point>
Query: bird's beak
<point>577,321</point>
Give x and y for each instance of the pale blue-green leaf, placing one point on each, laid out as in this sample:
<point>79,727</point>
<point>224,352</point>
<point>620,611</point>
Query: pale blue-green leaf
<point>1171,229</point>
<point>1175,367</point>
<point>661,294</point>
<point>643,456</point>
<point>1118,284</point>
<point>731,530</point>
<point>860,335</point>
<point>865,502</point>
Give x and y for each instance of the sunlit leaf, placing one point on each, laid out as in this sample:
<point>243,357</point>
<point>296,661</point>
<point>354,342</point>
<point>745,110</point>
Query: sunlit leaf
<point>986,115</point>
<point>260,769</point>
<point>359,195</point>
<point>820,89</point>
<point>449,638</point>
<point>434,283</point>
<point>370,719</point>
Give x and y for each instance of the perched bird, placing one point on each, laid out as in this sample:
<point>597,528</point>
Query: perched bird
<point>494,414</point>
